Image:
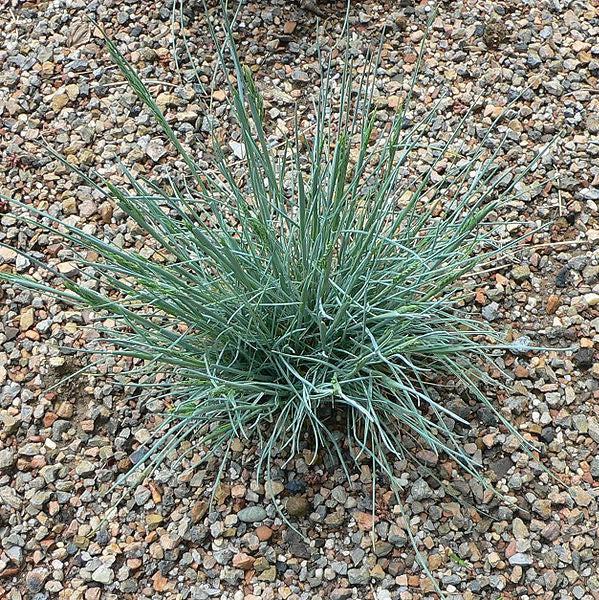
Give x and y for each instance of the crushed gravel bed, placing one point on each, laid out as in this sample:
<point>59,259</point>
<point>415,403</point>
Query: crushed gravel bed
<point>63,444</point>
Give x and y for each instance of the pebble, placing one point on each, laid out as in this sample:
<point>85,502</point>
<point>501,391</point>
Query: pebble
<point>520,273</point>
<point>342,594</point>
<point>358,576</point>
<point>581,496</point>
<point>520,559</point>
<point>491,311</point>
<point>85,468</point>
<point>7,458</point>
<point>551,531</point>
<point>297,506</point>
<point>519,528</point>
<point>103,574</point>
<point>155,150</point>
<point>591,299</point>
<point>35,579</point>
<point>584,358</point>
<point>252,514</point>
<point>421,490</point>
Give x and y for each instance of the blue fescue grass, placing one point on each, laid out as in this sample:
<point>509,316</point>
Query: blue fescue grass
<point>325,295</point>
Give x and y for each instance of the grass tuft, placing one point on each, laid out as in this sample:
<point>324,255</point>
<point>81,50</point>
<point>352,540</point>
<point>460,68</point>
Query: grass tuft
<point>313,299</point>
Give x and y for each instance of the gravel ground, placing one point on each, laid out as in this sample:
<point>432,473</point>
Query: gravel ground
<point>62,448</point>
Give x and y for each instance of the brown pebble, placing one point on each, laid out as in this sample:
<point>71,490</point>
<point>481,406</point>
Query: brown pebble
<point>521,371</point>
<point>264,533</point>
<point>243,561</point>
<point>297,506</point>
<point>49,419</point>
<point>289,27</point>
<point>553,303</point>
<point>199,510</point>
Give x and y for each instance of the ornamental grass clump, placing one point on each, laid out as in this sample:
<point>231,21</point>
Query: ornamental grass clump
<point>313,296</point>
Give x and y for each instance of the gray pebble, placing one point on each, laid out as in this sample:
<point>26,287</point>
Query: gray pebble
<point>252,514</point>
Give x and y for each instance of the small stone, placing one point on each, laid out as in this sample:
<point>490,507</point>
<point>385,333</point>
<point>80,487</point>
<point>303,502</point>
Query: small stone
<point>342,594</point>
<point>269,574</point>
<point>548,434</point>
<point>7,255</point>
<point>591,299</point>
<point>39,499</point>
<point>252,514</point>
<point>357,555</point>
<point>65,410</point>
<point>435,561</point>
<point>592,123</point>
<point>103,574</point>
<point>520,559</point>
<point>297,506</point>
<point>81,542</point>
<point>59,100</point>
<point>542,507</point>
<point>339,494</point>
<point>72,91</point>
<point>7,458</point>
<point>421,490</point>
<point>238,149</point>
<point>520,273</point>
<point>490,311</point>
<point>519,528</point>
<point>358,576</point>
<point>165,100</point>
<point>554,88</point>
<point>238,491</point>
<point>159,582</point>
<point>553,303</point>
<point>264,533</point>
<point>154,520</point>
<point>382,548</point>
<point>27,319</point>
<point>106,212</point>
<point>148,54</point>
<point>289,27</point>
<point>141,495</point>
<point>198,511</point>
<point>397,536</point>
<point>584,358</point>
<point>365,520</point>
<point>273,488</point>
<point>155,149</point>
<point>35,579</point>
<point>85,468</point>
<point>222,493</point>
<point>581,496</point>
<point>87,209</point>
<point>295,486</point>
<point>301,76</point>
<point>427,457</point>
<point>377,572</point>
<point>296,544</point>
<point>581,423</point>
<point>335,519</point>
<point>67,268</point>
<point>243,561</point>
<point>551,531</point>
